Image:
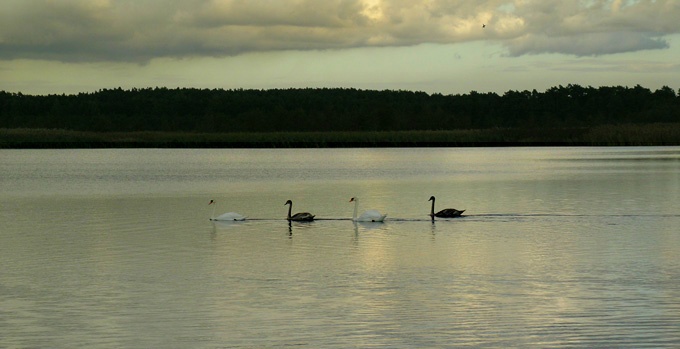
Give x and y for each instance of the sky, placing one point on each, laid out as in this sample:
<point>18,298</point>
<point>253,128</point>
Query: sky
<point>435,46</point>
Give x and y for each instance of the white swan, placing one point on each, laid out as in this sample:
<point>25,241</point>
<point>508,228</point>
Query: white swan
<point>229,216</point>
<point>368,216</point>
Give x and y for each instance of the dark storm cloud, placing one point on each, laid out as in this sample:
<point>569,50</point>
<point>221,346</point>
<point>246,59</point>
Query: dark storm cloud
<point>140,30</point>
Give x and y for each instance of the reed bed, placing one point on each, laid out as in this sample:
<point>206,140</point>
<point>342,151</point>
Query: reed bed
<point>609,135</point>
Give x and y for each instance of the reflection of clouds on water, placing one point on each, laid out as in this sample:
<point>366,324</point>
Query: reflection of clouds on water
<point>369,227</point>
<point>550,249</point>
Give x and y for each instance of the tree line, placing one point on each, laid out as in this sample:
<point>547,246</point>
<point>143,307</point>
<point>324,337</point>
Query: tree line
<point>335,109</point>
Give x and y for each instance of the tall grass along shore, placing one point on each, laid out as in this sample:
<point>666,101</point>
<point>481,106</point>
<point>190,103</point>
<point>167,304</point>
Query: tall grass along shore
<point>606,135</point>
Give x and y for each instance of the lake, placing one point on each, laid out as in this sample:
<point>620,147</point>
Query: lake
<point>558,248</point>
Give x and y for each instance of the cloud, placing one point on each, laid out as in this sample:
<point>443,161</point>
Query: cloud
<point>586,44</point>
<point>138,31</point>
<point>595,27</point>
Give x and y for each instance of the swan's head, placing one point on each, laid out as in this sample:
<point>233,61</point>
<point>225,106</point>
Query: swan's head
<point>211,202</point>
<point>288,203</point>
<point>431,198</point>
<point>352,199</point>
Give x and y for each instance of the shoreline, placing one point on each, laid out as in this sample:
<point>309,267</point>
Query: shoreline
<point>217,145</point>
<point>609,135</point>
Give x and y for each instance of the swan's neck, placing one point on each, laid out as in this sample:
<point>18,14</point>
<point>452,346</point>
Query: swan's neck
<point>432,209</point>
<point>290,209</point>
<point>356,208</point>
<point>212,216</point>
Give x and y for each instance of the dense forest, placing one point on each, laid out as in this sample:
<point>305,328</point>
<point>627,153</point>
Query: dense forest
<point>337,110</point>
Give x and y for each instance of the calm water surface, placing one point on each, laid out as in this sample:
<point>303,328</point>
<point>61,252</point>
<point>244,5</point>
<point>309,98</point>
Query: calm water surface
<point>560,248</point>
